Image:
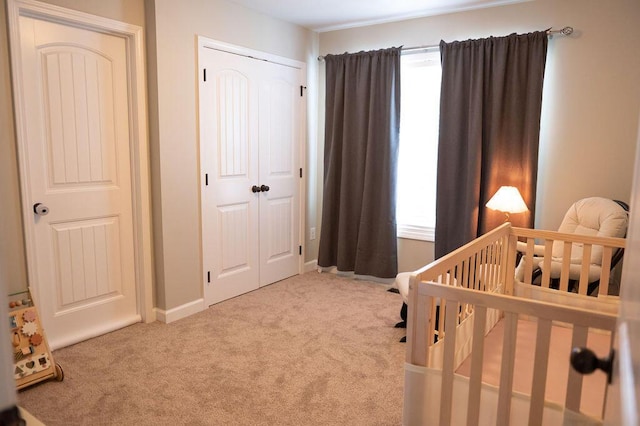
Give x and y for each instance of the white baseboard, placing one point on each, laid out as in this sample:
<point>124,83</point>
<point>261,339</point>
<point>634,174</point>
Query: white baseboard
<point>351,275</point>
<point>179,312</point>
<point>312,265</point>
<point>89,333</point>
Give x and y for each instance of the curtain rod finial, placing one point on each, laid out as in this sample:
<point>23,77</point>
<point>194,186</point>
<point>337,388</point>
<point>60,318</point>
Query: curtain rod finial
<point>566,31</point>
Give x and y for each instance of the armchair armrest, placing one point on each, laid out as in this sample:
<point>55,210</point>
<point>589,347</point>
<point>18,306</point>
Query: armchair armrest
<point>538,249</point>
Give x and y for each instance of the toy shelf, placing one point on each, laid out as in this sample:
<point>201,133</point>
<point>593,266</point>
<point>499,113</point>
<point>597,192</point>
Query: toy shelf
<point>33,361</point>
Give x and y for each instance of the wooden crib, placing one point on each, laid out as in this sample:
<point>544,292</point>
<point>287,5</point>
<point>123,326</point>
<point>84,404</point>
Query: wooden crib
<point>485,347</point>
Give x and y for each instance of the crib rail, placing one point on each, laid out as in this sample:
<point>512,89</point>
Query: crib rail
<point>585,261</point>
<point>456,300</point>
<point>483,264</point>
<point>546,313</point>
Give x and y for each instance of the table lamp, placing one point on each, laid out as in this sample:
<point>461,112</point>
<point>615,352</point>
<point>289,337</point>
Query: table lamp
<point>507,200</point>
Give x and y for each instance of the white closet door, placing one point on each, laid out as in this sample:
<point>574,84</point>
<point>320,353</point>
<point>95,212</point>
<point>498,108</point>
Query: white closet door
<point>250,124</point>
<point>229,134</point>
<point>281,121</point>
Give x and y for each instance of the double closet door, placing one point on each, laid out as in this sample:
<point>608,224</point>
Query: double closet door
<point>251,128</point>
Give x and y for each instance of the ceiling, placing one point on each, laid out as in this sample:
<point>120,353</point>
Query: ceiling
<point>328,15</point>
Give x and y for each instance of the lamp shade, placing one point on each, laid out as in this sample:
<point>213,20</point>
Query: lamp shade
<point>508,200</point>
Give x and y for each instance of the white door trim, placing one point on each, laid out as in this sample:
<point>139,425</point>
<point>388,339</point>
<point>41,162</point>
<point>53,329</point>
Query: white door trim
<point>140,197</point>
<point>255,54</point>
<point>209,43</point>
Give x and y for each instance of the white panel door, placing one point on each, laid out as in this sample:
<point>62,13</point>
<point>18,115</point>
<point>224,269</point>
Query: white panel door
<point>78,166</point>
<point>281,121</point>
<point>250,129</point>
<point>229,134</point>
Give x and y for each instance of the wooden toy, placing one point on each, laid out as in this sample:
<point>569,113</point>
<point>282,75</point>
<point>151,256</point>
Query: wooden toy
<point>33,361</point>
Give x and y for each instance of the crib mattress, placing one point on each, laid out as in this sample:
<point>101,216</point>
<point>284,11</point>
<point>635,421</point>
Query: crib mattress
<point>592,401</point>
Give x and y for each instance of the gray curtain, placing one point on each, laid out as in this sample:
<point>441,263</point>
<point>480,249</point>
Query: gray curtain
<point>490,105</point>
<point>362,119</point>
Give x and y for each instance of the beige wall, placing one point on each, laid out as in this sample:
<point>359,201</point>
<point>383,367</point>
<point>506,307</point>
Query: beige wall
<point>591,96</point>
<point>13,270</point>
<point>171,26</point>
<point>414,254</point>
<point>589,124</point>
<point>176,180</point>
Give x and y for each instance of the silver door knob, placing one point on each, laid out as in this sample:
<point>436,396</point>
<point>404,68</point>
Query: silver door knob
<point>40,209</point>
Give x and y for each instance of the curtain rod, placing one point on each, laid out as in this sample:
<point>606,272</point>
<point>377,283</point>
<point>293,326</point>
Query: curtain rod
<point>564,32</point>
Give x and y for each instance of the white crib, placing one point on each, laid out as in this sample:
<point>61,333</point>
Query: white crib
<point>485,348</point>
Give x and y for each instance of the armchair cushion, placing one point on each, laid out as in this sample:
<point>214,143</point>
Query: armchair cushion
<point>593,216</point>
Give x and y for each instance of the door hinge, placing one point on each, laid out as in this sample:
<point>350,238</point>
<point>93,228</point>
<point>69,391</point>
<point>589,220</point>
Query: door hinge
<point>206,179</point>
<point>208,276</point>
<point>300,171</point>
<point>300,250</point>
<point>301,89</point>
<point>204,74</point>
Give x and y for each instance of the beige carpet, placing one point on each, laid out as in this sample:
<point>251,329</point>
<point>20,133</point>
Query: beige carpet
<point>314,349</point>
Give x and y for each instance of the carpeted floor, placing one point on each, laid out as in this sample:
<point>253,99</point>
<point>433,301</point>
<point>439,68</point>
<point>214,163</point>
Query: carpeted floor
<point>315,349</point>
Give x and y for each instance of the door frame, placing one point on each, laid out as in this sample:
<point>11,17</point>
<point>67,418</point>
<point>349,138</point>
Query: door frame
<point>209,43</point>
<point>139,144</point>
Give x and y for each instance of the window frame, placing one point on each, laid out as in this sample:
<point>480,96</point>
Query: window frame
<point>409,230</point>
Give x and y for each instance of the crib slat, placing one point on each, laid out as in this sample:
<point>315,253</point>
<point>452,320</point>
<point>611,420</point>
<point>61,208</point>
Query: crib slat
<point>510,261</point>
<point>446,395</point>
<point>486,268</point>
<point>431,319</point>
<point>419,326</point>
<point>574,380</point>
<point>482,270</point>
<point>584,272</point>
<point>528,265</point>
<point>459,277</point>
<point>467,273</point>
<point>496,261</point>
<point>607,252</point>
<point>506,370</point>
<point>441,331</point>
<point>477,354</point>
<point>566,262</point>
<point>546,267</point>
<point>541,360</point>
<point>492,262</point>
<point>499,262</point>
<point>489,266</point>
<point>473,271</point>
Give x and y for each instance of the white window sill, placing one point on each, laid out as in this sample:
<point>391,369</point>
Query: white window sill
<point>413,232</point>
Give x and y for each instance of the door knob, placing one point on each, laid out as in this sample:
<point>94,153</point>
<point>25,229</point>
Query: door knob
<point>40,209</point>
<point>255,188</point>
<point>264,188</point>
<point>584,361</point>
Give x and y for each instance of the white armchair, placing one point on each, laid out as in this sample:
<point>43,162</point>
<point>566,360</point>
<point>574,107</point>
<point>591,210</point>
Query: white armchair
<point>593,216</point>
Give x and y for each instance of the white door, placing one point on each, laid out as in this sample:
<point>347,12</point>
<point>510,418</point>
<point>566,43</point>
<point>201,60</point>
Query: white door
<point>280,124</point>
<point>250,124</point>
<point>623,399</point>
<point>77,164</point>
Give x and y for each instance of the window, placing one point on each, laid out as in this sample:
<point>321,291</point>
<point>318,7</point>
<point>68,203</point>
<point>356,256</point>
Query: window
<point>418,157</point>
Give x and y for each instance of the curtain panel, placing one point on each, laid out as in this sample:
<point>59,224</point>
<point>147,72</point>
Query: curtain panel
<point>362,119</point>
<point>490,105</point>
